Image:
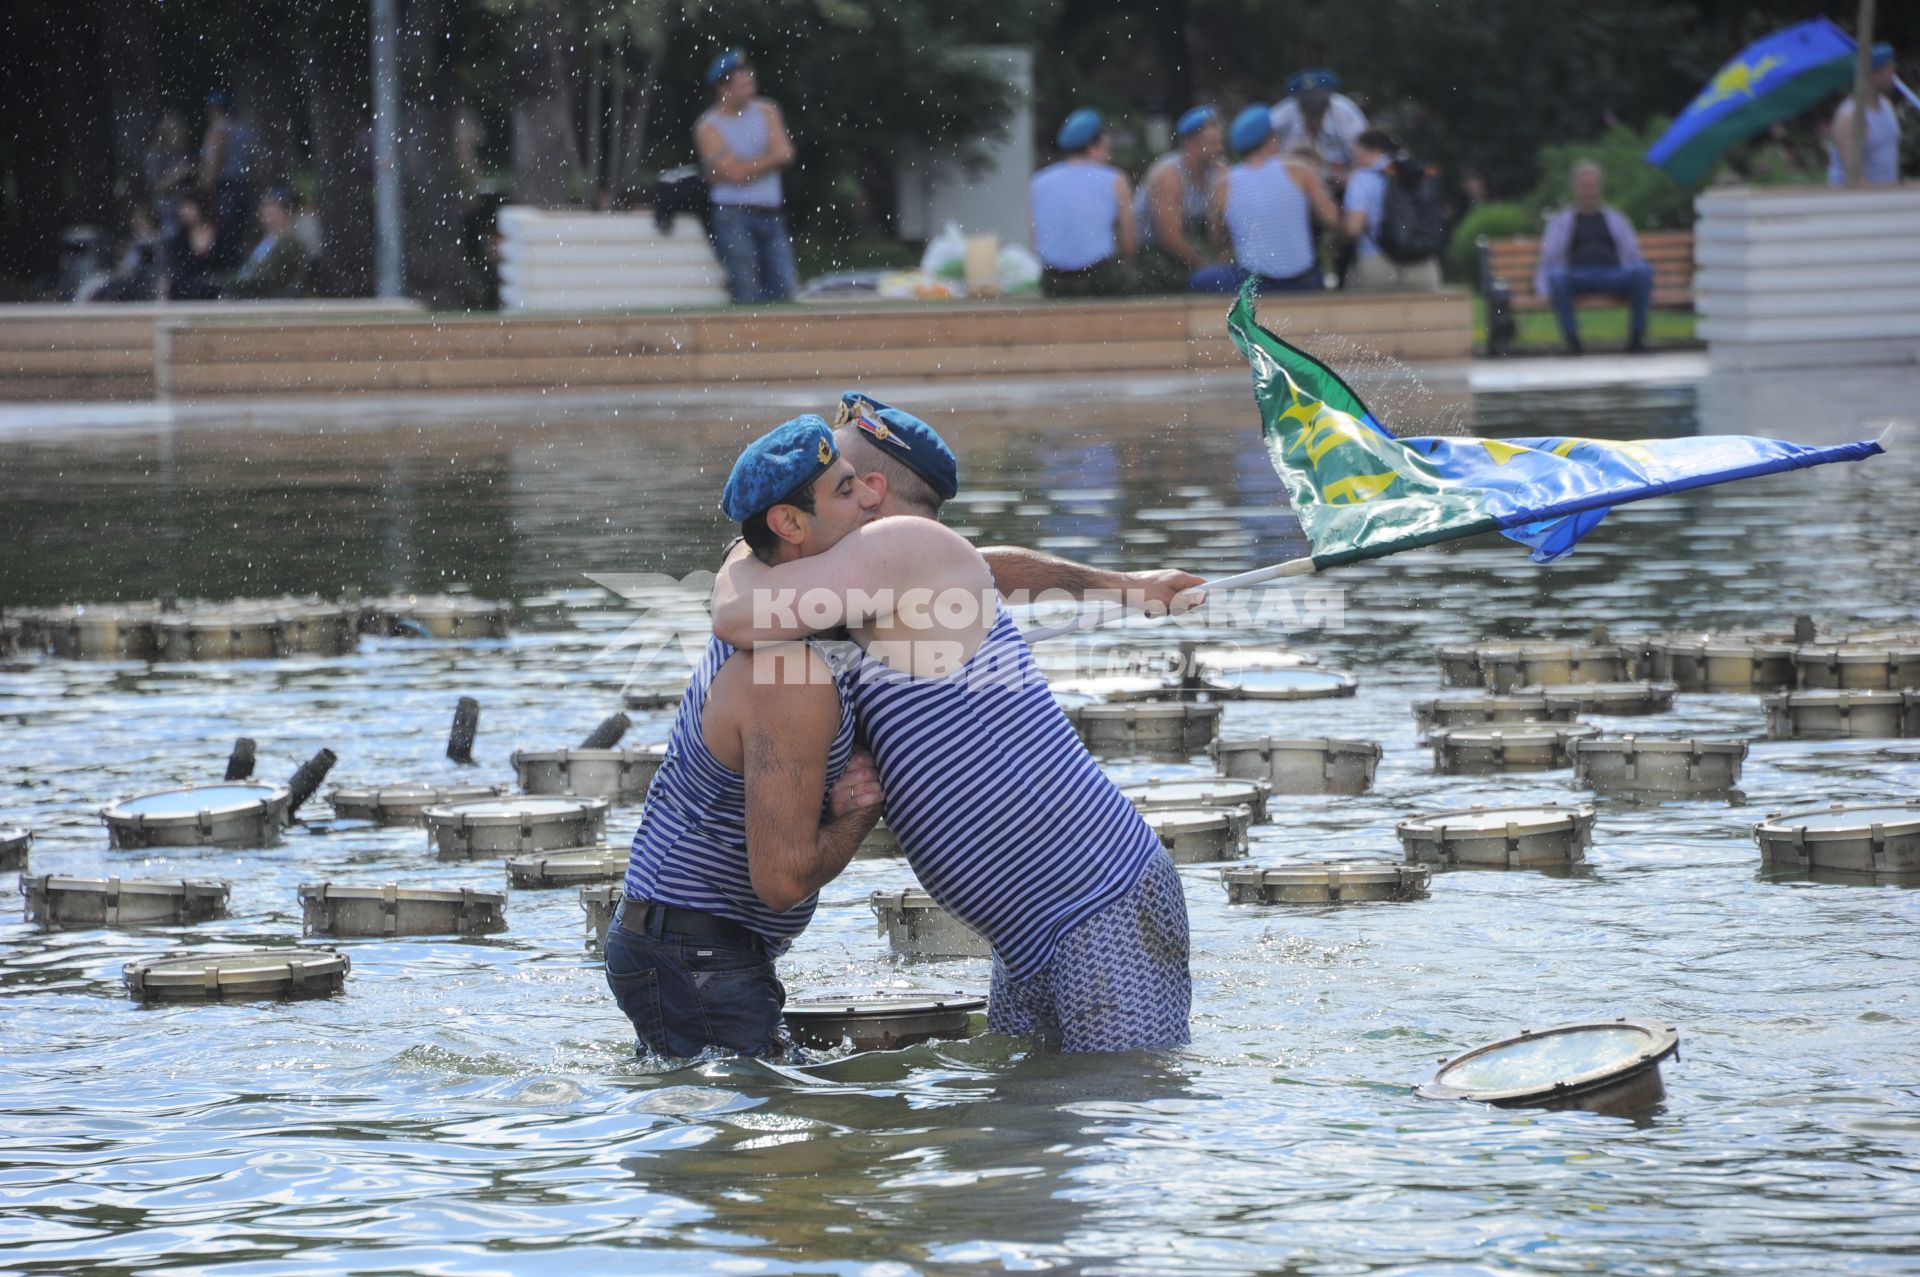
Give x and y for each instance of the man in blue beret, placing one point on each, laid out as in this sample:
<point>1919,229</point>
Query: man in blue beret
<point>1007,820</point>
<point>1266,207</point>
<point>1083,227</point>
<point>743,145</point>
<point>763,795</point>
<point>1171,205</point>
<point>1313,115</point>
<point>1880,162</point>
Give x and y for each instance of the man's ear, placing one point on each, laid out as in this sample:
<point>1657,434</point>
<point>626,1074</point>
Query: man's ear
<point>788,523</point>
<point>878,482</point>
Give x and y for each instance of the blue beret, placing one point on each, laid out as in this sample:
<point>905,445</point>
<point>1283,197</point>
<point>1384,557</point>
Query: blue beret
<point>723,66</point>
<point>1312,78</point>
<point>1080,129</point>
<point>1881,55</point>
<point>1195,120</point>
<point>907,439</point>
<point>778,464</point>
<point>1250,128</point>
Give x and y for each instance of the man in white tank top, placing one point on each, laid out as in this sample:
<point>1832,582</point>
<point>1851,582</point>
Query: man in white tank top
<point>743,145</point>
<point>1083,227</point>
<point>1880,163</point>
<point>1266,207</point>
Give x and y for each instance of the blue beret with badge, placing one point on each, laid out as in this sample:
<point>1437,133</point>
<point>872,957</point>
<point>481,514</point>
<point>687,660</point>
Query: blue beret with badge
<point>778,464</point>
<point>1079,130</point>
<point>1250,128</point>
<point>904,437</point>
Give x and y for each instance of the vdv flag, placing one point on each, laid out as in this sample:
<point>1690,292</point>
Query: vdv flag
<point>1361,493</point>
<point>1772,79</point>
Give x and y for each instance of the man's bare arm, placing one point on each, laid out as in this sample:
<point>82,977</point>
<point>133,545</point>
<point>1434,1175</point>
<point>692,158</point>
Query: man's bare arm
<point>854,583</point>
<point>1017,570</point>
<point>792,714</point>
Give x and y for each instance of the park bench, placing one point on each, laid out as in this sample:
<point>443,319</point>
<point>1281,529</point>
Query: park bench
<point>1506,278</point>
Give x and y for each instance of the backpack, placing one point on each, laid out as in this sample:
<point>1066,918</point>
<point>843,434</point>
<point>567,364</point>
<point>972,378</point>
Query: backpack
<point>1413,227</point>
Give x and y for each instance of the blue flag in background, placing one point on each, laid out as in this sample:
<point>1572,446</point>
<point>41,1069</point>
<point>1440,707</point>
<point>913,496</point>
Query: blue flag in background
<point>1771,80</point>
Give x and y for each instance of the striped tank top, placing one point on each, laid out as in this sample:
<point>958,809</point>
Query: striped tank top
<point>1076,215</point>
<point>1006,819</point>
<point>1268,219</point>
<point>1193,199</point>
<point>691,848</point>
<point>746,135</point>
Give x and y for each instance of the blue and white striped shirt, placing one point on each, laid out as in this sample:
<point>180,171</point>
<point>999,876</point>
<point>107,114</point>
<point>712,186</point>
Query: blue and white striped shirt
<point>691,847</point>
<point>1006,819</point>
<point>1269,220</point>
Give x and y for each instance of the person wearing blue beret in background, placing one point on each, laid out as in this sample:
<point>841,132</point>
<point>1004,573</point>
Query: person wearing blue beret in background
<point>1083,231</point>
<point>1881,165</point>
<point>1171,205</point>
<point>1265,207</point>
<point>1313,115</point>
<point>1003,815</point>
<point>762,798</point>
<point>743,145</point>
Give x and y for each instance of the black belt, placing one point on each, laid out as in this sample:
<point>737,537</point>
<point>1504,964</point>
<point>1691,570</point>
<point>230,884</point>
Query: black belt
<point>650,918</point>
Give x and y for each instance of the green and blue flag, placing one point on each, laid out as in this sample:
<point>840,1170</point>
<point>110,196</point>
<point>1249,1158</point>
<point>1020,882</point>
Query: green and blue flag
<point>1361,493</point>
<point>1771,80</point>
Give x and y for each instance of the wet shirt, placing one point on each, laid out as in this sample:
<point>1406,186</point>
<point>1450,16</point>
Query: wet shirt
<point>1007,820</point>
<point>691,848</point>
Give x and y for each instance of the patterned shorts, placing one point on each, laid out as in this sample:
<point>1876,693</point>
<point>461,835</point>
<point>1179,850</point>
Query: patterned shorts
<point>1116,982</point>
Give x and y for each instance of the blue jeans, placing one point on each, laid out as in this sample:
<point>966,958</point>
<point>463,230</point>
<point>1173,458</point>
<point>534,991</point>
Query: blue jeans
<point>758,256</point>
<point>686,994</point>
<point>1227,278</point>
<point>1634,283</point>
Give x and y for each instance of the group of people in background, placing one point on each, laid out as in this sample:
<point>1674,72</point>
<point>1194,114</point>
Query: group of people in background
<point>1306,171</point>
<point>205,231</point>
<point>1300,196</point>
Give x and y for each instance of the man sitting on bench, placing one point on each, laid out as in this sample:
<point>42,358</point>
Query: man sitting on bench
<point>1591,248</point>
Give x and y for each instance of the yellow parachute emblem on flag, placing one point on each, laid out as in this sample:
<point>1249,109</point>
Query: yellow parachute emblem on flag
<point>1737,79</point>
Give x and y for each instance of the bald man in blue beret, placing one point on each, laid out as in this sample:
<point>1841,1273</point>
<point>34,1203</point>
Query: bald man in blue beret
<point>1003,814</point>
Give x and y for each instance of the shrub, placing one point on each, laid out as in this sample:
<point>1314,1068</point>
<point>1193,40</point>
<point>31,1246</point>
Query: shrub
<point>1650,199</point>
<point>1493,220</point>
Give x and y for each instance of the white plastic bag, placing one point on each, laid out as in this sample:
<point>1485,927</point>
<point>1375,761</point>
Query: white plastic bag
<point>946,255</point>
<point>1019,269</point>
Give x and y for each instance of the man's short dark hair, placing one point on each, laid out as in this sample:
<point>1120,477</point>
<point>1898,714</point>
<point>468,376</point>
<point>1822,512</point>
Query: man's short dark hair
<point>1379,141</point>
<point>760,538</point>
<point>903,481</point>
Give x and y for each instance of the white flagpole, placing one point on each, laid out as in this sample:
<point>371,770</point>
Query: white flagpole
<point>1108,612</point>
